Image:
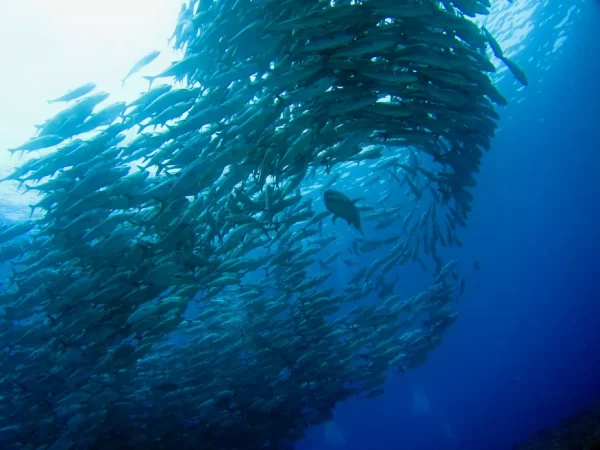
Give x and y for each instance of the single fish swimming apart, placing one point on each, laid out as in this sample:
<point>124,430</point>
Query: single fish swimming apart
<point>340,205</point>
<point>143,62</point>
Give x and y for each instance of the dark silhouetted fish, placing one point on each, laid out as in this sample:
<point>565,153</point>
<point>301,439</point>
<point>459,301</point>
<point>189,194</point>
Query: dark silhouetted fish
<point>340,205</point>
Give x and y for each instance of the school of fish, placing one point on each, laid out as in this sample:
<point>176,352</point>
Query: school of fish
<point>174,285</point>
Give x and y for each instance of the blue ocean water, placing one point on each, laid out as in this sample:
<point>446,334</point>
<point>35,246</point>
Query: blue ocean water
<point>525,352</point>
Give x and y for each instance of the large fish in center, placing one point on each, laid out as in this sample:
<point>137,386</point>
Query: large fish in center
<point>340,205</point>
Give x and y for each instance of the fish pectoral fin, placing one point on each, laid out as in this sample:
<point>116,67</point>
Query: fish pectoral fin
<point>333,218</point>
<point>356,200</point>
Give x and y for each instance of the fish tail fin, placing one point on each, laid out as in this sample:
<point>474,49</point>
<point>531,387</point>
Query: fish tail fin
<point>13,268</point>
<point>265,231</point>
<point>162,202</point>
<point>150,79</point>
<point>21,183</point>
<point>12,279</point>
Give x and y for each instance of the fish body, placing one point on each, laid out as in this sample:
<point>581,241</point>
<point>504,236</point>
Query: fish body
<point>75,93</point>
<point>518,73</point>
<point>140,64</point>
<point>340,205</point>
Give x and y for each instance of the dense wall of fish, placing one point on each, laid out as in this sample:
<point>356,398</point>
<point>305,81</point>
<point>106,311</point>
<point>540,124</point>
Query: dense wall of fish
<point>210,192</point>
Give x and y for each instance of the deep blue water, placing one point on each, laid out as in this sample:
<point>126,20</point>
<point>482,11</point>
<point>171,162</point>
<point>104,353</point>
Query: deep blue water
<point>525,352</point>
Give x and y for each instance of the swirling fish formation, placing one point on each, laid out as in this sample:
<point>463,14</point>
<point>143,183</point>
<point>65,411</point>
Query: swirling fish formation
<point>172,288</point>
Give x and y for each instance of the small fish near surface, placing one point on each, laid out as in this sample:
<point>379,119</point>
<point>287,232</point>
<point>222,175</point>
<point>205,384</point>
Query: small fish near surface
<point>340,205</point>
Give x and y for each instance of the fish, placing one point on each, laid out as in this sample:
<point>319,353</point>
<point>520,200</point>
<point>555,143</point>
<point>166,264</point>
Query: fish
<point>178,270</point>
<point>496,49</point>
<point>340,205</point>
<point>140,64</point>
<point>516,71</point>
<point>38,143</point>
<point>75,93</point>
